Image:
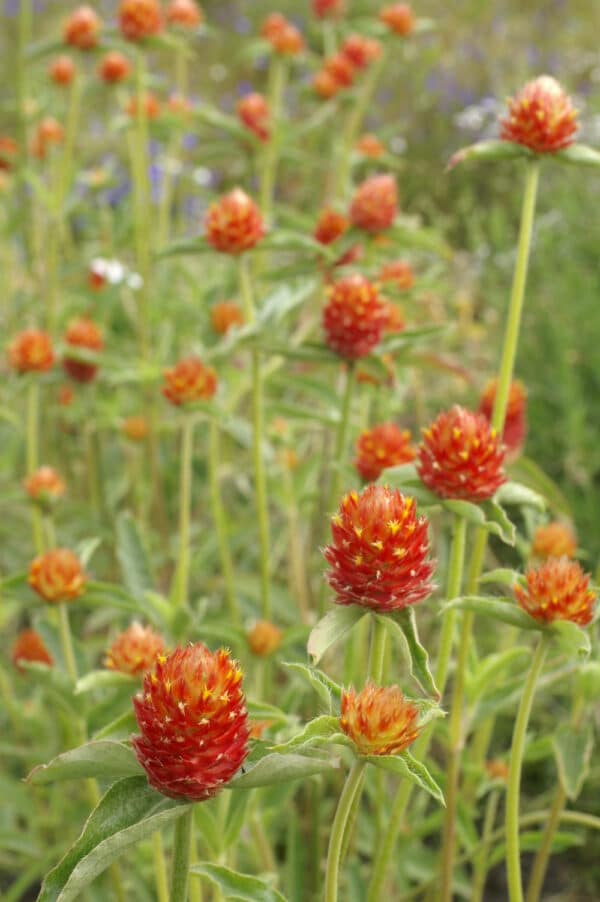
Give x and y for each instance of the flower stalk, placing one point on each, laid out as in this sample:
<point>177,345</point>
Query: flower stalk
<point>220,518</point>
<point>180,587</point>
<point>277,83</point>
<point>181,856</point>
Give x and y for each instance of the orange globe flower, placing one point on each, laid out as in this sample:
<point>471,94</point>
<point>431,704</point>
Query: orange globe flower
<point>554,540</point>
<point>541,117</point>
<point>395,319</point>
<point>225,316</point>
<point>361,51</point>
<point>85,334</point>
<point>29,647</point>
<point>375,204</point>
<point>264,639</point>
<point>325,85</point>
<point>49,132</point>
<point>399,18</point>
<point>460,457</point>
<point>557,590</point>
<point>135,428</point>
<point>135,650</point>
<point>193,722</point>
<point>151,106</point>
<point>515,424</point>
<point>114,68</point>
<point>370,146</point>
<point>341,69</point>
<point>179,105</point>
<point>283,37</point>
<point>57,576</point>
<point>354,317</point>
<point>31,351</point>
<point>234,223</point>
<point>62,71</point>
<point>82,28</point>
<point>330,226</point>
<point>382,447</point>
<point>253,112</point>
<point>45,486</point>
<point>188,381</point>
<point>399,273</point>
<point>379,555</point>
<point>184,14</point>
<point>9,150</point>
<point>140,19</point>
<point>379,720</point>
<point>327,9</point>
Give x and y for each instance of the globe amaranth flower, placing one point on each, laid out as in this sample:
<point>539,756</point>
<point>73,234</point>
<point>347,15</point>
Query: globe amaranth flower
<point>47,134</point>
<point>135,428</point>
<point>375,204</point>
<point>151,106</point>
<point>140,19</point>
<point>327,9</point>
<point>226,315</point>
<point>557,590</point>
<point>381,447</point>
<point>341,69</point>
<point>325,85</point>
<point>330,226</point>
<point>264,638</point>
<point>188,381</point>
<point>29,647</point>
<point>556,539</point>
<point>57,576</point>
<point>395,322</point>
<point>399,273</point>
<point>234,223</point>
<point>85,334</point>
<point>9,150</point>
<point>135,650</point>
<point>184,14</point>
<point>379,554</point>
<point>379,719</point>
<point>370,146</point>
<point>515,423</point>
<point>461,457</point>
<point>114,68</point>
<point>193,722</point>
<point>282,35</point>
<point>541,117</point>
<point>354,317</point>
<point>399,18</point>
<point>82,28</point>
<point>361,51</point>
<point>45,486</point>
<point>62,70</point>
<point>253,112</point>
<point>31,351</point>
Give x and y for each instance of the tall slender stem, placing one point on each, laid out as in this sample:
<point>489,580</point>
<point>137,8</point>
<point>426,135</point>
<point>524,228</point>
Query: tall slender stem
<point>23,37</point>
<point>66,641</point>
<point>480,863</point>
<point>513,859</point>
<point>160,868</point>
<point>277,80</point>
<point>181,856</point>
<point>31,456</point>
<point>220,518</point>
<point>179,590</point>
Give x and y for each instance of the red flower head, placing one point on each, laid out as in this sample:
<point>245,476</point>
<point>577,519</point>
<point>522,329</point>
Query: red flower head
<point>557,590</point>
<point>253,112</point>
<point>31,352</point>
<point>554,540</point>
<point>9,150</point>
<point>370,146</point>
<point>184,14</point>
<point>375,204</point>
<point>134,651</point>
<point>379,720</point>
<point>541,117</point>
<point>328,9</point>
<point>139,19</point>
<point>330,226</point>
<point>29,647</point>
<point>395,319</point>
<point>399,18</point>
<point>325,85</point>
<point>382,447</point>
<point>188,381</point>
<point>283,37</point>
<point>354,317</point>
<point>45,486</point>
<point>85,334</point>
<point>114,68</point>
<point>361,51</point>
<point>264,638</point>
<point>151,106</point>
<point>135,428</point>
<point>379,556</point>
<point>234,223</point>
<point>82,28</point>
<point>62,70</point>
<point>515,424</point>
<point>194,724</point>
<point>341,69</point>
<point>226,316</point>
<point>399,273</point>
<point>460,457</point>
<point>48,132</point>
<point>57,576</point>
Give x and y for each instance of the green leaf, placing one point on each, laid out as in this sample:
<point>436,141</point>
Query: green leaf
<point>531,842</point>
<point>490,150</point>
<point>572,640</point>
<point>503,576</point>
<point>487,515</point>
<point>324,685</point>
<point>573,749</point>
<point>234,885</point>
<point>103,759</point>
<point>411,769</point>
<point>578,155</point>
<point>405,621</point>
<point>333,626</point>
<point>491,669</point>
<point>314,732</point>
<point>102,679</point>
<point>504,609</point>
<point>128,812</point>
<point>519,494</point>
<point>278,768</point>
<point>406,478</point>
<point>530,474</point>
<point>132,556</point>
<point>120,728</point>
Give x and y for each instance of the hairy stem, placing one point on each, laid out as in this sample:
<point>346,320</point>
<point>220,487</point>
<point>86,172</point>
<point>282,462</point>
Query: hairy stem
<point>180,588</point>
<point>181,856</point>
<point>220,518</point>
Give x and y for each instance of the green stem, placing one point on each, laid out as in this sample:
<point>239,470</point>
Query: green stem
<point>481,859</point>
<point>453,586</point>
<point>23,39</point>
<point>220,519</point>
<point>260,483</point>
<point>377,650</point>
<point>31,456</point>
<point>139,162</point>
<point>160,868</point>
<point>297,563</point>
<point>351,787</point>
<point>278,77</point>
<point>513,860</point>
<point>181,856</point>
<point>180,588</point>
<point>66,641</point>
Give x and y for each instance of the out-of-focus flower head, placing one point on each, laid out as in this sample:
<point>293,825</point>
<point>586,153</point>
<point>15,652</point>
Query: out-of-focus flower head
<point>395,319</point>
<point>82,28</point>
<point>361,51</point>
<point>31,351</point>
<point>325,85</point>
<point>49,132</point>
<point>234,223</point>
<point>264,638</point>
<point>379,720</point>
<point>62,70</point>
<point>556,539</point>
<point>135,428</point>
<point>557,590</point>
<point>135,650</point>
<point>29,648</point>
<point>375,204</point>
<point>328,9</point>
<point>188,381</point>
<point>370,146</point>
<point>57,576</point>
<point>541,117</point>
<point>44,486</point>
<point>399,18</point>
<point>282,35</point>
<point>140,19</point>
<point>9,150</point>
<point>381,447</point>
<point>85,334</point>
<point>515,423</point>
<point>151,106</point>
<point>114,68</point>
<point>225,316</point>
<point>354,317</point>
<point>330,226</point>
<point>399,273</point>
<point>184,14</point>
<point>341,69</point>
<point>253,112</point>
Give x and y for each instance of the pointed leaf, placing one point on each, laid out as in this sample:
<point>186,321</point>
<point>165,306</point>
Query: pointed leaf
<point>234,885</point>
<point>504,609</point>
<point>405,621</point>
<point>324,685</point>
<point>102,679</point>
<point>497,521</point>
<point>411,769</point>
<point>490,150</point>
<point>277,768</point>
<point>519,494</point>
<point>313,733</point>
<point>573,749</point>
<point>132,556</point>
<point>578,155</point>
<point>501,577</point>
<point>104,759</point>
<point>333,626</point>
<point>573,641</point>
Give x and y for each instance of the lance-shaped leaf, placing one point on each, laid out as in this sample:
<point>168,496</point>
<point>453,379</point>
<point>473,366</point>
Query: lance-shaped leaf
<point>406,627</point>
<point>278,768</point>
<point>333,626</point>
<point>104,679</point>
<point>573,749</point>
<point>504,609</point>
<point>572,640</point>
<point>104,759</point>
<point>128,812</point>
<point>410,769</point>
<point>519,494</point>
<point>488,515</point>
<point>315,732</point>
<point>578,155</point>
<point>530,474</point>
<point>327,688</point>
<point>234,885</point>
<point>132,556</point>
<point>503,576</point>
<point>491,150</point>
